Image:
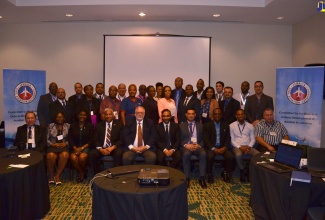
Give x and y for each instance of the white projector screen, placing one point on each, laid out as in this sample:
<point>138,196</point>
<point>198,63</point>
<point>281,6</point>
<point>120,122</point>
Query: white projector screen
<point>140,59</point>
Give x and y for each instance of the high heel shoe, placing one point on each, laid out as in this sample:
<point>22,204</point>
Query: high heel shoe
<point>57,183</point>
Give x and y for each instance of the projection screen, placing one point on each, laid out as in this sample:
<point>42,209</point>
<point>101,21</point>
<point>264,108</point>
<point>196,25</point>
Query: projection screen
<point>147,59</point>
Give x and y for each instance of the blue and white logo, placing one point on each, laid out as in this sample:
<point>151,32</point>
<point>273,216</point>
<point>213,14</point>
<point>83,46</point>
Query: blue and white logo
<point>298,93</point>
<point>25,92</point>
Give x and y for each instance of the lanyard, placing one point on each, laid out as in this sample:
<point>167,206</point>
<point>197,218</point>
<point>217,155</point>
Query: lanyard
<point>243,99</point>
<point>242,129</point>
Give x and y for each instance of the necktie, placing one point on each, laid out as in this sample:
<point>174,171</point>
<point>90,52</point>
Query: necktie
<point>168,138</point>
<point>63,104</point>
<point>190,125</point>
<point>139,135</point>
<point>29,137</point>
<point>219,97</point>
<point>186,100</point>
<point>108,135</point>
<point>225,106</point>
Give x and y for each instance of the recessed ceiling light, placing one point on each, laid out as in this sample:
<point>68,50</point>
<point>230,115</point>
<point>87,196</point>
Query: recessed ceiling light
<point>280,18</point>
<point>0,16</point>
<point>69,15</point>
<point>142,14</point>
<point>216,15</point>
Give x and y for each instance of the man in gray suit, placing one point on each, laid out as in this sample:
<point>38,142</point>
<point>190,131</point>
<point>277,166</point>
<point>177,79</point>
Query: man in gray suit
<point>192,144</point>
<point>43,109</point>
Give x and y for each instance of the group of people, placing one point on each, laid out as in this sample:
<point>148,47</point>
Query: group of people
<point>158,123</point>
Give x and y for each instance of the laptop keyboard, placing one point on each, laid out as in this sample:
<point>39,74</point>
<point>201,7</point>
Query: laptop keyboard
<point>280,166</point>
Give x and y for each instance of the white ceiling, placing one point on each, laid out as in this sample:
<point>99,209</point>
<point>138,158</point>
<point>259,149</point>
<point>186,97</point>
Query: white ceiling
<point>231,11</point>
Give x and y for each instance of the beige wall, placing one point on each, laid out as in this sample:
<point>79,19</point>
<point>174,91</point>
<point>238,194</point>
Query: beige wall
<point>71,52</point>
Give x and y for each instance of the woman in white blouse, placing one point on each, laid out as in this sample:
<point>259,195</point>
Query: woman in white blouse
<point>167,103</point>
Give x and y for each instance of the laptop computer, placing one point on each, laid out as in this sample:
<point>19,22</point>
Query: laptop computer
<point>316,161</point>
<point>287,159</point>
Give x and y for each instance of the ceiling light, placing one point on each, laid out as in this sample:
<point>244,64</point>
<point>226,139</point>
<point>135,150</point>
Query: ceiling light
<point>280,18</point>
<point>69,15</point>
<point>142,14</point>
<point>216,15</point>
<point>0,16</point>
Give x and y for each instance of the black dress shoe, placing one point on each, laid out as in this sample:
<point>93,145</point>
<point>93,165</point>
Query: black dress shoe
<point>210,179</point>
<point>202,183</point>
<point>225,177</point>
<point>242,176</point>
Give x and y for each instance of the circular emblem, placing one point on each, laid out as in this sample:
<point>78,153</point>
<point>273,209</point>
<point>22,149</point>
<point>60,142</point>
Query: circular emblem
<point>25,92</point>
<point>298,93</point>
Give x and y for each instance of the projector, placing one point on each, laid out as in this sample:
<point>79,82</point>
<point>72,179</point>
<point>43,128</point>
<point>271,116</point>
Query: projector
<point>153,177</point>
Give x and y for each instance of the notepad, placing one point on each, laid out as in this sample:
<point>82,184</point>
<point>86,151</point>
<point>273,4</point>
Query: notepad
<point>18,165</point>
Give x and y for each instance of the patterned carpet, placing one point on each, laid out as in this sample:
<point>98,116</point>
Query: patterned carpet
<point>221,200</point>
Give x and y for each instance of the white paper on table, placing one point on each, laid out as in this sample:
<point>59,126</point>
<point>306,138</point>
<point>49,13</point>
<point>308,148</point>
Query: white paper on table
<point>24,155</point>
<point>18,165</point>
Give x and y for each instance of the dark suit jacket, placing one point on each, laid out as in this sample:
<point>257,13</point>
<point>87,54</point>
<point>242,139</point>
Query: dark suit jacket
<point>209,135</point>
<point>185,133</point>
<point>194,102</point>
<point>229,114</point>
<point>83,104</point>
<point>174,134</point>
<point>43,109</point>
<point>202,96</point>
<point>174,93</point>
<point>148,133</point>
<point>40,137</point>
<point>68,112</point>
<point>73,99</point>
<point>116,134</point>
<point>151,108</point>
<point>86,135</point>
<point>254,112</point>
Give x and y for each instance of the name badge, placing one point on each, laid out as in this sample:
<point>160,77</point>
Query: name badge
<point>60,137</point>
<point>30,141</point>
<point>193,140</point>
<point>91,112</point>
<point>115,114</point>
<point>272,133</point>
<point>204,115</point>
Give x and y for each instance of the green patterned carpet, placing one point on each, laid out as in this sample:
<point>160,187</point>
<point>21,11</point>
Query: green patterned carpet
<point>221,200</point>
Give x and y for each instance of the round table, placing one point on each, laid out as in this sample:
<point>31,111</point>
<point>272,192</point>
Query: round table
<point>24,191</point>
<point>122,197</point>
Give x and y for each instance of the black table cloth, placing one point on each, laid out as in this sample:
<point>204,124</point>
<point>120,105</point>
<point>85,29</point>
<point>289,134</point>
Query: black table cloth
<point>122,198</point>
<point>272,197</point>
<point>24,191</point>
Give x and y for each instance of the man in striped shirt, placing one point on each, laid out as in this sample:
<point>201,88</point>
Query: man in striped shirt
<point>269,132</point>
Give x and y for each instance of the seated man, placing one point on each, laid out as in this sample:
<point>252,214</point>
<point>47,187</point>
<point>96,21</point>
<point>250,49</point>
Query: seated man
<point>107,140</point>
<point>168,140</point>
<point>139,138</point>
<point>217,142</point>
<point>242,140</point>
<point>30,135</point>
<point>269,132</point>
<point>192,144</point>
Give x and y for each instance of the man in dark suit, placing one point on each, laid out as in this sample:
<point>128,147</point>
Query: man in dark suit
<point>139,138</point>
<point>30,135</point>
<point>63,106</point>
<point>200,89</point>
<point>178,92</point>
<point>74,98</point>
<point>100,92</point>
<point>257,103</point>
<point>168,140</point>
<point>107,140</point>
<point>189,101</point>
<point>43,112</point>
<point>217,142</point>
<point>229,106</point>
<point>192,144</point>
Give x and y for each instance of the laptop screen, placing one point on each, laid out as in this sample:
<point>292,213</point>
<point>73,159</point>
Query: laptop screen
<point>288,155</point>
<point>316,158</point>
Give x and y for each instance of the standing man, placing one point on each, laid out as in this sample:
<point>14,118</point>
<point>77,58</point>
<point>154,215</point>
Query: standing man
<point>242,140</point>
<point>142,92</point>
<point>192,144</point>
<point>200,88</point>
<point>43,105</point>
<point>257,103</point>
<point>241,97</point>
<point>217,142</point>
<point>107,140</point>
<point>168,140</point>
<point>269,132</point>
<point>189,101</point>
<point>139,138</point>
<point>219,91</point>
<point>100,89</point>
<point>110,102</point>
<point>229,106</point>
<point>74,98</point>
<point>121,90</point>
<point>178,93</point>
<point>63,106</point>
<point>30,135</point>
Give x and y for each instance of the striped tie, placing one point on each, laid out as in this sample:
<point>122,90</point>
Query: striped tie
<point>108,136</point>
